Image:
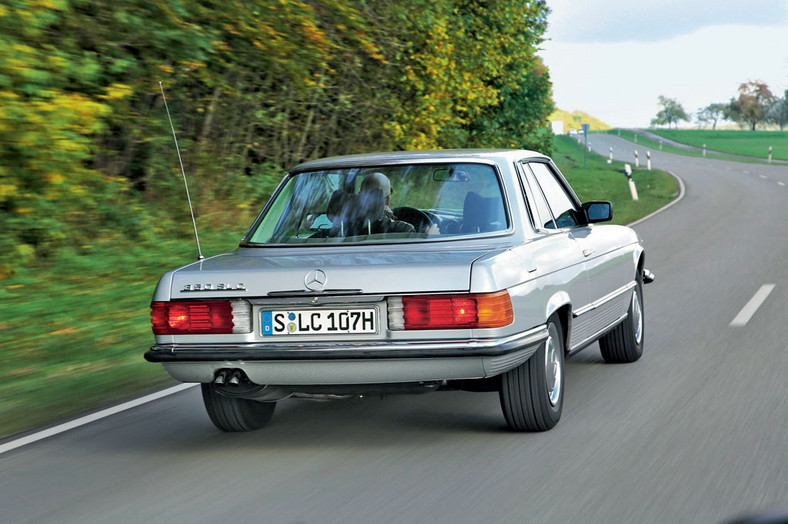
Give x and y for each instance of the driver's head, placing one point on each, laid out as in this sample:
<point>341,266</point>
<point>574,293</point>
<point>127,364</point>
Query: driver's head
<point>377,181</point>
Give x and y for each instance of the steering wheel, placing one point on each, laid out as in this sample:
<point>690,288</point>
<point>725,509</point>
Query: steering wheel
<point>421,220</point>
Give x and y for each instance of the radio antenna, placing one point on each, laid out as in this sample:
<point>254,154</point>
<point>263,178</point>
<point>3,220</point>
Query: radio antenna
<point>183,172</point>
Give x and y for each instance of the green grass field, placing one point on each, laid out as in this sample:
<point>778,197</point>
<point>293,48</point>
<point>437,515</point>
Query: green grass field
<point>74,329</point>
<point>753,144</point>
<point>747,143</point>
<point>603,181</point>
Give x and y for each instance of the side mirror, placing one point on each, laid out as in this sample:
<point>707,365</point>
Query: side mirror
<point>598,211</point>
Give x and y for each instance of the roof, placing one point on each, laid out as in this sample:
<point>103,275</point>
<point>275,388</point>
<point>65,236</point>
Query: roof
<point>399,157</point>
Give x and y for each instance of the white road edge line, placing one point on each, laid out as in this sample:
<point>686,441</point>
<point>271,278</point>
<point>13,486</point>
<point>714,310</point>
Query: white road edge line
<point>682,192</point>
<point>752,306</point>
<point>87,419</point>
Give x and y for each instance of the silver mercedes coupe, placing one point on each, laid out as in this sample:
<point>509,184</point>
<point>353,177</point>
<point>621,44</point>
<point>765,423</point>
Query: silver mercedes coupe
<point>406,272</point>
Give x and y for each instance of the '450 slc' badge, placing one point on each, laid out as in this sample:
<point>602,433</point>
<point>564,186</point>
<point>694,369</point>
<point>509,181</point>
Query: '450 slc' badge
<point>188,288</point>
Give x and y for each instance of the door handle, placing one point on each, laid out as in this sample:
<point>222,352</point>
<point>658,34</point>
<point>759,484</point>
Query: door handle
<point>588,252</point>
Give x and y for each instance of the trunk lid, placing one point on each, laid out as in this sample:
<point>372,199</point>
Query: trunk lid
<point>255,272</point>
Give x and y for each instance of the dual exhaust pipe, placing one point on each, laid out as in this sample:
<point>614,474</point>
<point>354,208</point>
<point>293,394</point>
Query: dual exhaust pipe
<point>234,383</point>
<point>232,377</point>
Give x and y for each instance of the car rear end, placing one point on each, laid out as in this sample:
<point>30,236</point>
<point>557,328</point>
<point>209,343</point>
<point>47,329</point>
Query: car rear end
<point>411,318</point>
<point>323,300</point>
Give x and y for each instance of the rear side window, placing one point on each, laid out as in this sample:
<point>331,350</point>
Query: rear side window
<point>540,212</point>
<point>558,200</point>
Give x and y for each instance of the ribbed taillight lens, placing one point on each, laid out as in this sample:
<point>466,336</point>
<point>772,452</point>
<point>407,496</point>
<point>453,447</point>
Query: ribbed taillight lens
<point>207,317</point>
<point>488,310</point>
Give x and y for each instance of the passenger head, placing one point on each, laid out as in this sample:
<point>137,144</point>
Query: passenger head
<point>377,181</point>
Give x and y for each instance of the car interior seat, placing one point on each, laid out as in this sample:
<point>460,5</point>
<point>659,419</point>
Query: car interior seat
<point>481,214</point>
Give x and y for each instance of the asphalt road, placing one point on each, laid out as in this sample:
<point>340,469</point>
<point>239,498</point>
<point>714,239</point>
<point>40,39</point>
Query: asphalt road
<point>696,431</point>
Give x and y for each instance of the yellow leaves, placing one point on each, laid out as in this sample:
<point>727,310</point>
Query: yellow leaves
<point>313,33</point>
<point>118,91</point>
<point>22,49</point>
<point>220,45</point>
<point>54,5</point>
<point>7,190</point>
<point>189,65</point>
<point>54,178</point>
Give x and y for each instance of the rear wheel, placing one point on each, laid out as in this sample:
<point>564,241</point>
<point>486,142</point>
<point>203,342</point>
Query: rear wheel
<point>235,414</point>
<point>625,343</point>
<point>532,394</point>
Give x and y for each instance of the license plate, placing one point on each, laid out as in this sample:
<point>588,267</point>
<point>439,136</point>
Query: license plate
<point>319,322</point>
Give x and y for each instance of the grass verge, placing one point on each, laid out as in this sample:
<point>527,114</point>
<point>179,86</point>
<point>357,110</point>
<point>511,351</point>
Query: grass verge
<point>73,330</point>
<point>602,181</point>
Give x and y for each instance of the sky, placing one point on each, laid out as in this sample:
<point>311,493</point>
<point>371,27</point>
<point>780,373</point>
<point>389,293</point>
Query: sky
<point>612,59</point>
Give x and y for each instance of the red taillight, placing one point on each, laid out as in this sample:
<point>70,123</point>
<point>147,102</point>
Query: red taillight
<point>192,318</point>
<point>457,311</point>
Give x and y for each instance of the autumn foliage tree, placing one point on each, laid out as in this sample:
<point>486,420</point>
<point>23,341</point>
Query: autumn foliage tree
<point>254,88</point>
<point>751,107</point>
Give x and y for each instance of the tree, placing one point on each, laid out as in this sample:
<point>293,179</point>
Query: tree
<point>778,111</point>
<point>466,65</point>
<point>712,114</point>
<point>751,108</point>
<point>511,32</point>
<point>671,113</point>
<point>86,152</point>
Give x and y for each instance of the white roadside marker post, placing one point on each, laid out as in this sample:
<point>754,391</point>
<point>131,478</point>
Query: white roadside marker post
<point>704,149</point>
<point>637,160</point>
<point>648,159</point>
<point>610,160</point>
<point>770,154</point>
<point>632,189</point>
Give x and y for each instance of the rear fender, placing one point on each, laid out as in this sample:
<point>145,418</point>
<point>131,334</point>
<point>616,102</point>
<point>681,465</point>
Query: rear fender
<point>560,305</point>
<point>557,302</point>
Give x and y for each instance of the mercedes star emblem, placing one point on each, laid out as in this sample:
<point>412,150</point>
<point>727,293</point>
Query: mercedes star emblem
<point>315,280</point>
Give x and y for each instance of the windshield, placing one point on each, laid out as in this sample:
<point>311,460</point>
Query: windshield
<point>385,203</point>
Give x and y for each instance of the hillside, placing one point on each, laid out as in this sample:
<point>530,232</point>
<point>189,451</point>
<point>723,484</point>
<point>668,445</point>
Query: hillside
<point>575,118</point>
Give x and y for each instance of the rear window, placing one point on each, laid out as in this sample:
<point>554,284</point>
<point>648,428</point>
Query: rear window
<point>386,203</point>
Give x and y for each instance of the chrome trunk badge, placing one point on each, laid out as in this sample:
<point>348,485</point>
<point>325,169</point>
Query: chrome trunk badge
<point>315,280</point>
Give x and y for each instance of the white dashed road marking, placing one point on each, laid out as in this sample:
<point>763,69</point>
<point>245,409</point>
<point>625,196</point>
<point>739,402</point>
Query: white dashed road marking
<point>752,306</point>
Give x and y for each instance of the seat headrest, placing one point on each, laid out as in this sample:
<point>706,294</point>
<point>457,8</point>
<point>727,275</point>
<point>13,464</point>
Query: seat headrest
<point>481,214</point>
<point>351,211</point>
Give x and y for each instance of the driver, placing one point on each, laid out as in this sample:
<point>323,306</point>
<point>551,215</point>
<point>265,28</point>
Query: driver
<point>388,223</point>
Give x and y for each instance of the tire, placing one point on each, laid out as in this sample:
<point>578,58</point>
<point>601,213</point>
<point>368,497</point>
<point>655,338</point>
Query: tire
<point>532,394</point>
<point>625,343</point>
<point>235,414</point>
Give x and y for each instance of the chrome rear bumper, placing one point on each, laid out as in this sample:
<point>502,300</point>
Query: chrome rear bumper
<point>350,363</point>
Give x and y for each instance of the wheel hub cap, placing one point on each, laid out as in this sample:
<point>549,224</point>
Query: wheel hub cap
<point>637,318</point>
<point>552,368</point>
